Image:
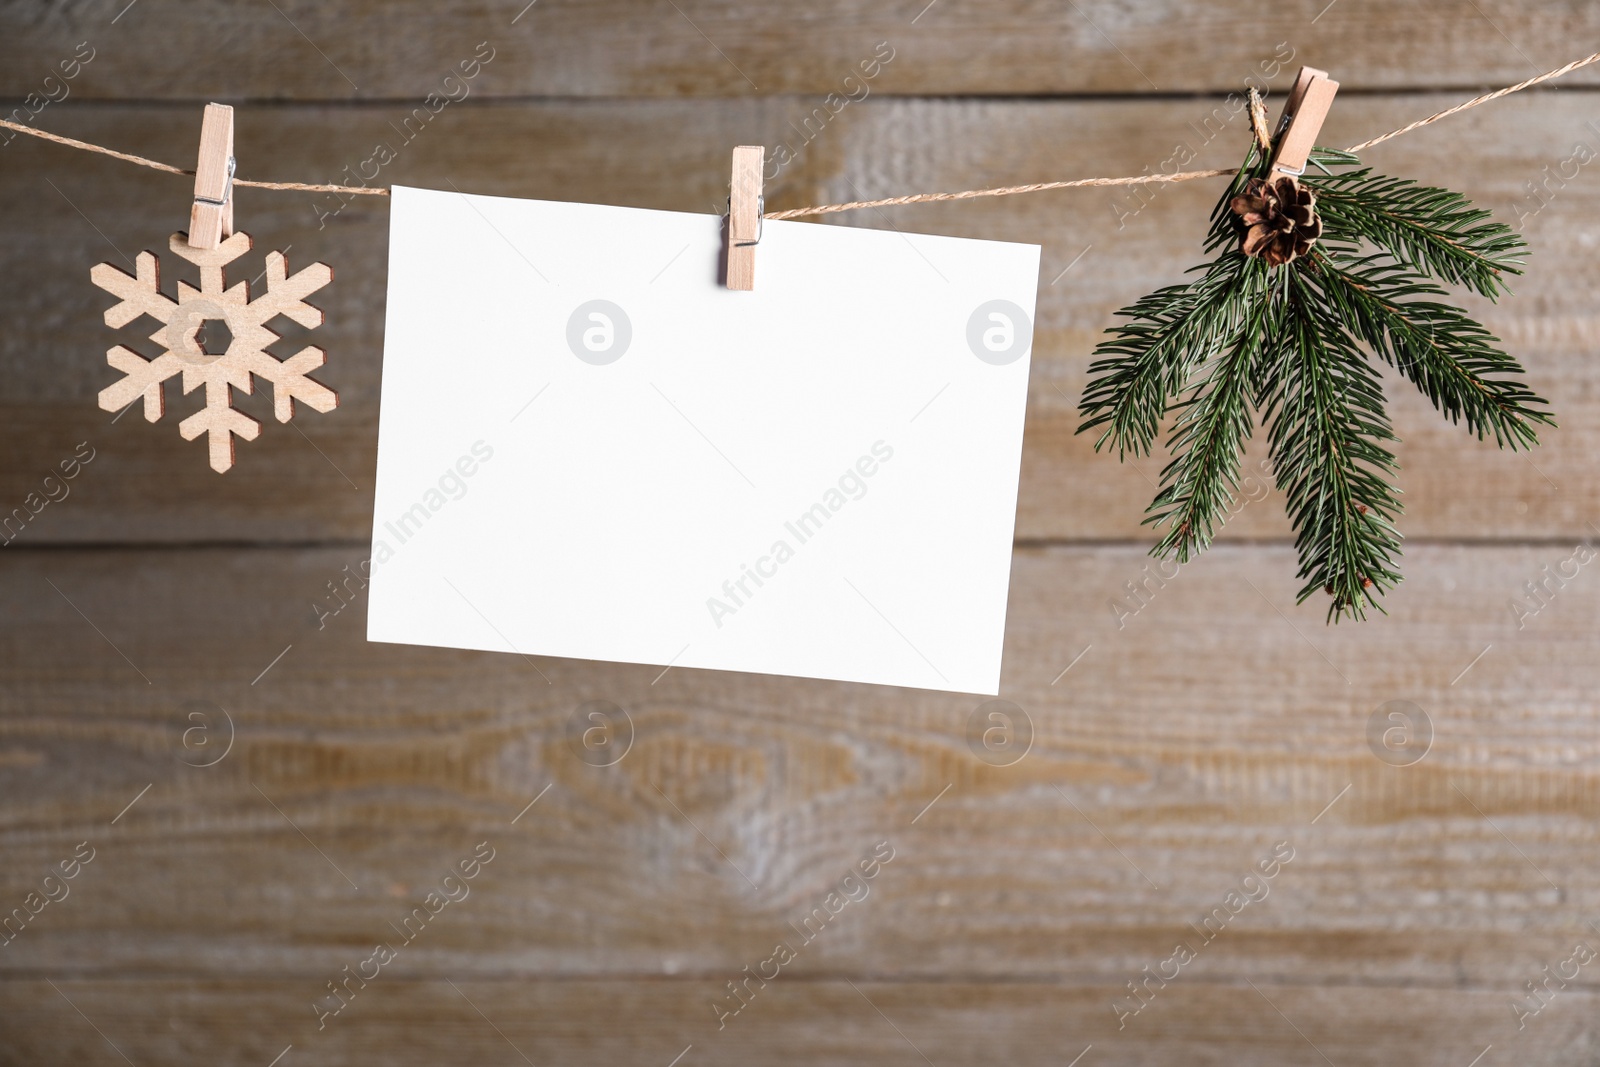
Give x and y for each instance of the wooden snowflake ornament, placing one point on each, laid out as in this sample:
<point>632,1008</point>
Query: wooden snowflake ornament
<point>184,326</point>
<point>192,349</point>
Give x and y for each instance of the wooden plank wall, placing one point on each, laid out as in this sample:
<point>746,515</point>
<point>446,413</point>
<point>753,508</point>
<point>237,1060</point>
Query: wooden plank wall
<point>266,796</point>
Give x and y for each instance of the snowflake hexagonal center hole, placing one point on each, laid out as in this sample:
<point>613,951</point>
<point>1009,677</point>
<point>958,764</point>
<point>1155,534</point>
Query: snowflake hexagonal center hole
<point>212,337</point>
<point>198,332</point>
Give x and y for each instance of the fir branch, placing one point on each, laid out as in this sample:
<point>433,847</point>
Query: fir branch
<point>1198,484</point>
<point>1433,231</point>
<point>1329,455</point>
<point>1146,360</point>
<point>1289,342</point>
<point>1449,356</point>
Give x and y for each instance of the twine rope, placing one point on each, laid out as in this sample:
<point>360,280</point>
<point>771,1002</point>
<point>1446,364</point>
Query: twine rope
<point>1182,176</point>
<point>72,142</point>
<point>855,205</point>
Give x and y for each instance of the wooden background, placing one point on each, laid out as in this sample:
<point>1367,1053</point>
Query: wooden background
<point>1181,746</point>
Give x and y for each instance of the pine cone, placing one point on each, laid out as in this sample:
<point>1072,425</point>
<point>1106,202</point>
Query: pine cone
<point>1279,219</point>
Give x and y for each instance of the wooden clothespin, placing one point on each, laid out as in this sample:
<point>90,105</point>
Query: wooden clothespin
<point>211,218</point>
<point>745,205</point>
<point>1303,114</point>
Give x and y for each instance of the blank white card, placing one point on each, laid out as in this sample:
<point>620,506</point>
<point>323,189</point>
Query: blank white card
<point>589,448</point>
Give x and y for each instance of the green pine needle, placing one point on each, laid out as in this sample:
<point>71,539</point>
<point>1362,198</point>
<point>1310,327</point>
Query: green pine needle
<point>1200,482</point>
<point>1330,456</point>
<point>1432,231</point>
<point>1169,334</point>
<point>1445,353</point>
<point>1297,348</point>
